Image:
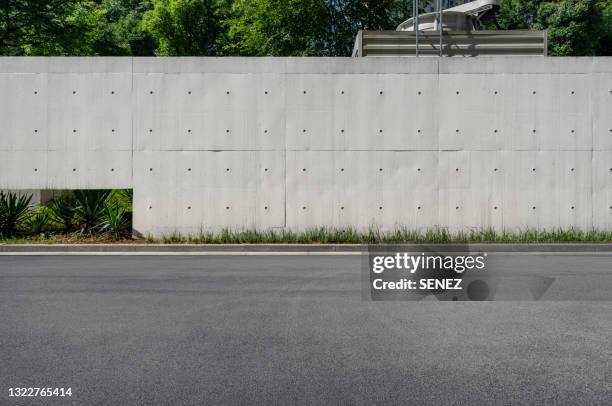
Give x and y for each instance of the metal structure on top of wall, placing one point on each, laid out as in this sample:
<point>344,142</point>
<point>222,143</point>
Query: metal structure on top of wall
<point>451,31</point>
<point>474,43</point>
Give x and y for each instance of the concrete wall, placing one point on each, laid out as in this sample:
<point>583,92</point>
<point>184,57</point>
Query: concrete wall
<point>295,142</point>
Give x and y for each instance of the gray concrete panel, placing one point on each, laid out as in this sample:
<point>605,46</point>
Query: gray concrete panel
<point>208,143</point>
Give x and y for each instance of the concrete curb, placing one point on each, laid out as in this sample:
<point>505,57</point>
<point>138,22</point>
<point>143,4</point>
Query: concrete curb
<point>310,248</point>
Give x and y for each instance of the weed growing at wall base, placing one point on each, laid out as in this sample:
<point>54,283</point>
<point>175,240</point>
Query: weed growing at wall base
<point>438,235</point>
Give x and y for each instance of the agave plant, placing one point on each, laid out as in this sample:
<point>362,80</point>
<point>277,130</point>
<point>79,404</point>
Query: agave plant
<point>115,221</point>
<point>121,197</point>
<point>89,208</point>
<point>38,220</point>
<point>61,211</point>
<point>14,210</point>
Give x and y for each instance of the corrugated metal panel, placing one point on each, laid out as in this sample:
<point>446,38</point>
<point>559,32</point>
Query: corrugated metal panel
<point>402,43</point>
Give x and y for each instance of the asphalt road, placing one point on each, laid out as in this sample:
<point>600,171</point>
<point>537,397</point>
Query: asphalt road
<point>178,330</point>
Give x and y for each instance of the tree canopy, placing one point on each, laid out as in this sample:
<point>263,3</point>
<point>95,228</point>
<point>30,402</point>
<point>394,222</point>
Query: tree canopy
<point>262,27</point>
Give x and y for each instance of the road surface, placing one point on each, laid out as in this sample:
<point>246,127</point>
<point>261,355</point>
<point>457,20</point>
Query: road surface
<point>276,329</point>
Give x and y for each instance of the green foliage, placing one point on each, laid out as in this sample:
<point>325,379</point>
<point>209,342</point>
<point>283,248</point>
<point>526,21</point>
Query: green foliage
<point>115,221</point>
<point>123,23</point>
<point>122,198</point>
<point>88,208</point>
<point>262,27</point>
<point>38,220</point>
<point>185,27</point>
<point>14,210</point>
<point>306,27</point>
<point>575,27</point>
<point>437,235</point>
<point>52,27</point>
<point>61,211</point>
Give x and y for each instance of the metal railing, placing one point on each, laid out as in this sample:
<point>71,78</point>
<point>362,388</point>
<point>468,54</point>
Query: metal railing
<point>453,43</point>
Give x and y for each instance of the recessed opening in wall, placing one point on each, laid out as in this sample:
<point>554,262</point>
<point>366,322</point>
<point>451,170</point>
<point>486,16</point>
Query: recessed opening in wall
<point>71,216</point>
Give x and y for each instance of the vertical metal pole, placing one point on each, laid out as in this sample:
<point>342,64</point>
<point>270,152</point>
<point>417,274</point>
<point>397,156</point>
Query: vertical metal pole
<point>441,28</point>
<point>416,25</point>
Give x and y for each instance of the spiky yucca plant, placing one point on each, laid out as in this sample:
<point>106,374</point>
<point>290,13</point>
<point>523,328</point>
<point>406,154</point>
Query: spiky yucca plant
<point>14,210</point>
<point>61,211</point>
<point>88,208</point>
<point>115,221</point>
<point>38,220</point>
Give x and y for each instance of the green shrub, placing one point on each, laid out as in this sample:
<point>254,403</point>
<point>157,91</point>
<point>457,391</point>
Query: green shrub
<point>61,211</point>
<point>89,206</point>
<point>115,221</point>
<point>14,210</point>
<point>38,220</point>
<point>121,197</point>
